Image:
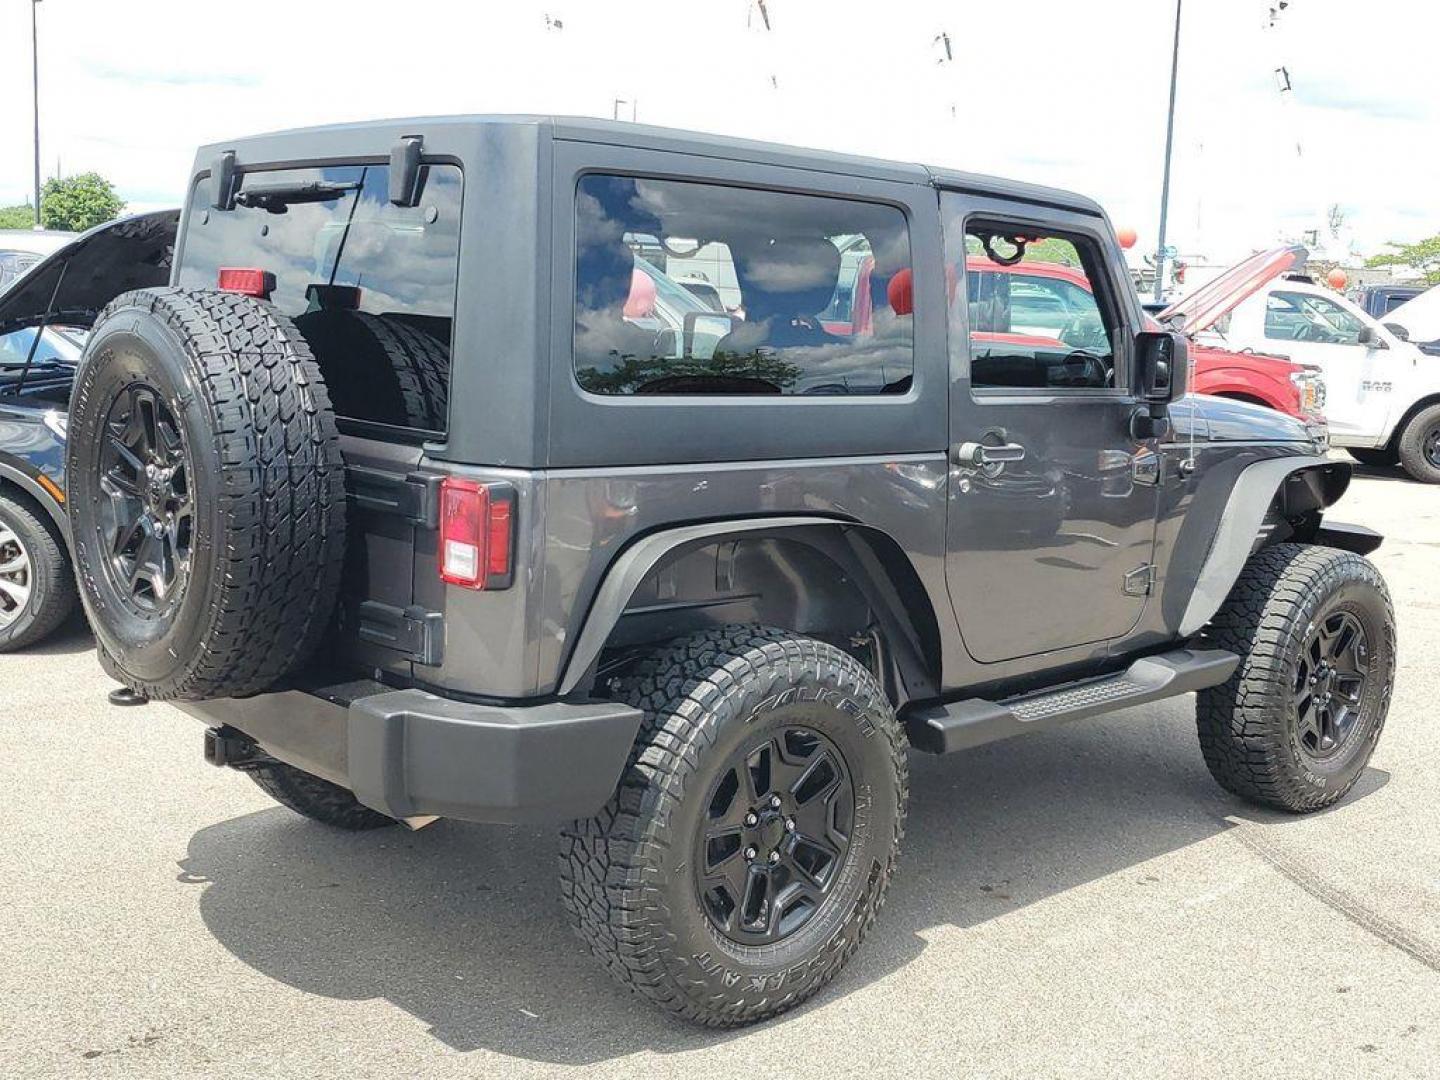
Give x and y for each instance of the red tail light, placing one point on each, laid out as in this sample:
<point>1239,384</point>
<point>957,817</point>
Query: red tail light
<point>248,281</point>
<point>477,528</point>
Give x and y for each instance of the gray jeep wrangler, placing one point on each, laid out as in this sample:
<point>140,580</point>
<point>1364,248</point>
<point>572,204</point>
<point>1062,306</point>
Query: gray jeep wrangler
<point>672,488</point>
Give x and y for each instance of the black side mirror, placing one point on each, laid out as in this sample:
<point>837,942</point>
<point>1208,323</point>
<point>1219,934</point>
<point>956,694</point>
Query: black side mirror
<point>1162,361</point>
<point>1369,337</point>
<point>712,325</point>
<point>1398,330</point>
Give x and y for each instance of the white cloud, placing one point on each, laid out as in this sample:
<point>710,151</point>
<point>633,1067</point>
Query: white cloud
<point>1045,90</point>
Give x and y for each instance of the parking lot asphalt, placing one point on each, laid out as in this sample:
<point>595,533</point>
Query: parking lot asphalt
<point>1080,904</point>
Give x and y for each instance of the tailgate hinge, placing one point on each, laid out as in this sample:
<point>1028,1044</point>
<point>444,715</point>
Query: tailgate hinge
<point>417,633</point>
<point>415,497</point>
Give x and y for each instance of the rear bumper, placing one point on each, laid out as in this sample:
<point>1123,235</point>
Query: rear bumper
<point>408,753</point>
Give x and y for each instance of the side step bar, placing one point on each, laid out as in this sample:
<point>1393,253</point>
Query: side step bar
<point>960,725</point>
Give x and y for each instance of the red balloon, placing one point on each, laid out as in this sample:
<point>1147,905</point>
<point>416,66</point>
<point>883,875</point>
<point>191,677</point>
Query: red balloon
<point>1127,237</point>
<point>640,304</point>
<point>1337,279</point>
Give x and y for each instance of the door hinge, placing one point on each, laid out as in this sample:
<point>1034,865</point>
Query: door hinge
<point>1141,581</point>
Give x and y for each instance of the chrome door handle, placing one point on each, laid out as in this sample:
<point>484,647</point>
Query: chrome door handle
<point>976,454</point>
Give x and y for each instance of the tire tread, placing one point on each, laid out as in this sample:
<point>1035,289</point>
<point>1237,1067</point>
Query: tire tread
<point>1410,445</point>
<point>1242,734</point>
<point>608,863</point>
<point>315,798</point>
<point>280,552</point>
<point>53,593</point>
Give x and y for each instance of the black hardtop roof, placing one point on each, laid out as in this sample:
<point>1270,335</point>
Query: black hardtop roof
<point>290,146</point>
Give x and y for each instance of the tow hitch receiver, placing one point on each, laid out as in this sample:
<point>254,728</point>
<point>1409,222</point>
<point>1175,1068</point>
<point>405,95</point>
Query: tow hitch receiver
<point>226,746</point>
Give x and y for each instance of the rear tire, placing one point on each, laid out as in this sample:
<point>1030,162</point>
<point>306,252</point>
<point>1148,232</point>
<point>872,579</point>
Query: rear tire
<point>1294,727</point>
<point>1384,458</point>
<point>37,589</point>
<point>319,800</point>
<point>206,493</point>
<point>1419,445</point>
<point>647,883</point>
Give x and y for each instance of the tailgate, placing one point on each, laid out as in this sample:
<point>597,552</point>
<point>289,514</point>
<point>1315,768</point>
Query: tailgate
<point>386,622</point>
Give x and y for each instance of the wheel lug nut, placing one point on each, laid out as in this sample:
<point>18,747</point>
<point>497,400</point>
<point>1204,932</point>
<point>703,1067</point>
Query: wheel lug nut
<point>775,802</point>
<point>749,854</point>
<point>774,857</point>
<point>789,824</point>
<point>751,819</point>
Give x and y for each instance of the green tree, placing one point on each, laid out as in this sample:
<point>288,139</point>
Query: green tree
<point>17,217</point>
<point>79,202</point>
<point>1052,249</point>
<point>630,374</point>
<point>1048,249</point>
<point>1423,255</point>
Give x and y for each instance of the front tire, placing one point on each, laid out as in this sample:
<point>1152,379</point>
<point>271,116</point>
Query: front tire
<point>754,832</point>
<point>37,588</point>
<point>1295,725</point>
<point>1419,446</point>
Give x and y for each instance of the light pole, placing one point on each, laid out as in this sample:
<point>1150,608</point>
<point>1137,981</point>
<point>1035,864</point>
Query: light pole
<point>35,68</point>
<point>1169,143</point>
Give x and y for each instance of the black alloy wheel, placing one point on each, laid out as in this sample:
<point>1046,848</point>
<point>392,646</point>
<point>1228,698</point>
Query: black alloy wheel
<point>206,494</point>
<point>775,833</point>
<point>1418,445</point>
<point>147,517</point>
<point>1431,446</point>
<point>1330,682</point>
<point>748,847</point>
<point>1294,725</point>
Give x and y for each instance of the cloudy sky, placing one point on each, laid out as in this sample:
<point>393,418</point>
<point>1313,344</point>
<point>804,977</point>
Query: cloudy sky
<point>1054,91</point>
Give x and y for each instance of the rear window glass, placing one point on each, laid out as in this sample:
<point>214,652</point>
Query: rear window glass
<point>370,285</point>
<point>689,288</point>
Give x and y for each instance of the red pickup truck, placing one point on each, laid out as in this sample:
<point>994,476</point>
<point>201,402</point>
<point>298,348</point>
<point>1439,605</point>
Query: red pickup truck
<point>1039,301</point>
<point>1043,301</point>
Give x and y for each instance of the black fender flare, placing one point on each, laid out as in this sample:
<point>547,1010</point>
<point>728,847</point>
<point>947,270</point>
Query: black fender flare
<point>859,550</point>
<point>26,483</point>
<point>1302,483</point>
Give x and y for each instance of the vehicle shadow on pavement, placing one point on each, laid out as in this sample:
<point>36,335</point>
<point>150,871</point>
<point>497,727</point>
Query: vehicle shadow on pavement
<point>72,638</point>
<point>459,924</point>
<point>1382,472</point>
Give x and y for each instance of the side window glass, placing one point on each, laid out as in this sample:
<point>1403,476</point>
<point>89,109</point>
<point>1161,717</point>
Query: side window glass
<point>1033,316</point>
<point>691,288</point>
<point>1292,316</point>
<point>1283,319</point>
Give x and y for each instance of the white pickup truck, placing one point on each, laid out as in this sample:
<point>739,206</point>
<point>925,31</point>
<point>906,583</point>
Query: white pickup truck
<point>1382,392</point>
<point>1418,320</point>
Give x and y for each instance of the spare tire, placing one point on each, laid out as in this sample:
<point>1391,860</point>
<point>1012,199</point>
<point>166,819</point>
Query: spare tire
<point>206,493</point>
<point>396,373</point>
